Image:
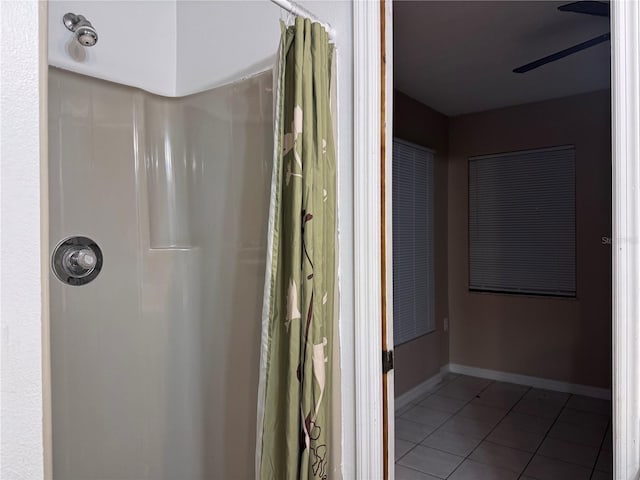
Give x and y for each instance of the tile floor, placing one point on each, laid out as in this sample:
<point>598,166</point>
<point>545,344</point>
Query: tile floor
<point>469,428</point>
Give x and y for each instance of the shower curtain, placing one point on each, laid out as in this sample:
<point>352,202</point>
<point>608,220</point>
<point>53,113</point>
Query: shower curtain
<point>295,404</point>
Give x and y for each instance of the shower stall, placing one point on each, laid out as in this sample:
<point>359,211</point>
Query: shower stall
<point>155,358</point>
<point>160,146</point>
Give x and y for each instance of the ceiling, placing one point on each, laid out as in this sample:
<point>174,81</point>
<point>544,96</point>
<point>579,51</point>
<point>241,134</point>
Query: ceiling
<point>457,56</point>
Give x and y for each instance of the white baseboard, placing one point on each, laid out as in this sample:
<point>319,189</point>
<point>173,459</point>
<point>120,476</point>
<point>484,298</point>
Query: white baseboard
<point>418,391</point>
<point>536,382</point>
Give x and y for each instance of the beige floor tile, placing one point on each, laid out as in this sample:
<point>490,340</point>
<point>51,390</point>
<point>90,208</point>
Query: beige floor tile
<point>528,423</point>
<point>607,444</point>
<point>588,404</point>
<point>471,470</point>
<point>427,416</point>
<point>501,395</point>
<point>605,461</point>
<point>459,392</point>
<point>499,426</point>
<point>544,468</point>
<point>578,417</point>
<point>412,431</point>
<point>464,388</point>
<point>443,404</point>
<point>404,473</point>
<point>569,452</point>
<point>402,447</point>
<point>450,442</point>
<point>602,476</point>
<point>547,396</point>
<point>467,426</point>
<point>538,407</point>
<point>483,413</point>
<point>583,435</point>
<point>501,456</point>
<point>513,437</point>
<point>401,411</point>
<point>431,461</point>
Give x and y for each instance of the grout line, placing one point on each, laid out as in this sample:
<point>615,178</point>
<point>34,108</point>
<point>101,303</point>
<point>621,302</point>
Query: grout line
<point>559,460</point>
<point>491,382</point>
<point>572,443</point>
<point>421,472</point>
<point>593,471</point>
<point>546,436</point>
<point>439,386</point>
<point>434,392</point>
<point>561,439</point>
<point>406,453</point>
<point>492,429</point>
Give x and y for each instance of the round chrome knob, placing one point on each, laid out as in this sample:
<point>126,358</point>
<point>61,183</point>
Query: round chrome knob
<point>76,260</point>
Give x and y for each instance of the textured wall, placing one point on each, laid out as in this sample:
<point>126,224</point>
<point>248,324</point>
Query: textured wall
<point>21,390</point>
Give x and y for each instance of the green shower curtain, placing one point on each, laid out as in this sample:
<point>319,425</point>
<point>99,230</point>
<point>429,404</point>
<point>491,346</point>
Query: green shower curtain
<point>299,317</point>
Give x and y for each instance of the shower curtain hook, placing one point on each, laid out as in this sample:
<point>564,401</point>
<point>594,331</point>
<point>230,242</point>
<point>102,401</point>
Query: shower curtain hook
<point>290,17</point>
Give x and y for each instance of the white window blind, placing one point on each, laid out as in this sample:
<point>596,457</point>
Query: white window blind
<point>413,277</point>
<point>522,229</point>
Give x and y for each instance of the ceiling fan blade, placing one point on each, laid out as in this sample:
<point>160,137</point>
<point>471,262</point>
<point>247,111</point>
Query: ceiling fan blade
<point>600,9</point>
<point>563,53</point>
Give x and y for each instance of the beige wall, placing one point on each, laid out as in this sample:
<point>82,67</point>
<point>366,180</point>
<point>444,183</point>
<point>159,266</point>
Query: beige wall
<point>555,338</point>
<point>420,359</point>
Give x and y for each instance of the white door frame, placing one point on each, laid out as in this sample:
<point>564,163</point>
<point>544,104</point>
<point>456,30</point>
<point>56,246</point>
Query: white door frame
<point>625,83</point>
<point>625,21</point>
<point>367,248</point>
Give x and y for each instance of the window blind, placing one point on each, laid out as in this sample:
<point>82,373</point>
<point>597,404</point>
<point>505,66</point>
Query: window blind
<point>413,269</point>
<point>522,222</point>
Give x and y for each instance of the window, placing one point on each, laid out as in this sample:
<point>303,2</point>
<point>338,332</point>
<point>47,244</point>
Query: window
<point>522,222</point>
<point>413,286</point>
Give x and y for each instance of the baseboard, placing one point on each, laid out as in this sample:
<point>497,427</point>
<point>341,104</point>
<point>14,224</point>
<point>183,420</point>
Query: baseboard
<point>536,382</point>
<point>418,391</point>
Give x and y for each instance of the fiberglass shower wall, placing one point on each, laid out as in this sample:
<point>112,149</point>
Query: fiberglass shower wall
<point>155,362</point>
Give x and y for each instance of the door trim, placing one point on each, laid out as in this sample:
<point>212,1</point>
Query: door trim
<point>625,42</point>
<point>367,245</point>
<point>625,83</point>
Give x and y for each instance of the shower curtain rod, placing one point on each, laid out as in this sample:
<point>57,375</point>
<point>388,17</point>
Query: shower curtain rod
<point>298,10</point>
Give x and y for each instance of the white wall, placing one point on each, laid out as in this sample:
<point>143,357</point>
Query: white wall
<point>21,428</point>
<point>169,47</point>
<point>222,41</point>
<point>136,42</point>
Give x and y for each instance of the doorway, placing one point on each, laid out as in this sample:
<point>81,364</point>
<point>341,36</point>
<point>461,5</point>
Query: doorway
<point>507,371</point>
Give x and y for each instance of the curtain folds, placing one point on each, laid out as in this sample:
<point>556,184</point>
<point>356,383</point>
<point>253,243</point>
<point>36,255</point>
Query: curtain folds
<point>299,315</point>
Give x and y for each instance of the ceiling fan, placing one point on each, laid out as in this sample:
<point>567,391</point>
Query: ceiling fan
<point>600,9</point>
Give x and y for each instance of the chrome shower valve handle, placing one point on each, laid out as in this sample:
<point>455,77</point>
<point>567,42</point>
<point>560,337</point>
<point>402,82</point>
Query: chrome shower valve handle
<point>76,260</point>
